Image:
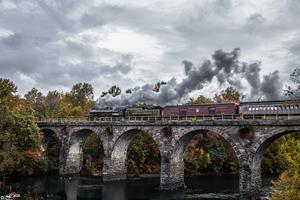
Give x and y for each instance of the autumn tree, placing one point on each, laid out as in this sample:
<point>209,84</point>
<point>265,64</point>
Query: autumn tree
<point>81,94</point>
<point>229,95</point>
<point>20,138</point>
<point>74,104</point>
<point>143,155</point>
<point>287,186</point>
<point>201,100</point>
<point>36,99</point>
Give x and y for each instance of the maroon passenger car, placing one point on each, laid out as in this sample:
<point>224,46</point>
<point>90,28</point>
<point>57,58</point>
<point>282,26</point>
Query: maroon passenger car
<point>200,110</point>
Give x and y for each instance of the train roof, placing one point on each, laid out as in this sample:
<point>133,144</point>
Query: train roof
<point>291,101</point>
<point>143,107</point>
<point>197,105</point>
<point>103,111</point>
<point>106,109</point>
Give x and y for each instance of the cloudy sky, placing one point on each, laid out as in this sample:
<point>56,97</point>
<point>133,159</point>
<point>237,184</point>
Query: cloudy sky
<point>53,44</point>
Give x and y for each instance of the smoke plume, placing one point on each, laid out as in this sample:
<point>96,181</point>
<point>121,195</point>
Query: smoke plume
<point>224,67</point>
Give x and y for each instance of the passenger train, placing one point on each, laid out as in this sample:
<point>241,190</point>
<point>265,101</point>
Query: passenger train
<point>261,109</point>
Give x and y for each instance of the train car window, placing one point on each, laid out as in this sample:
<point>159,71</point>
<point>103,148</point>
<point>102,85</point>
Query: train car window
<point>211,110</point>
<point>197,110</point>
<point>257,108</point>
<point>250,108</point>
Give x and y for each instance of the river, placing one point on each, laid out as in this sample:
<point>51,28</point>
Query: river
<point>55,187</point>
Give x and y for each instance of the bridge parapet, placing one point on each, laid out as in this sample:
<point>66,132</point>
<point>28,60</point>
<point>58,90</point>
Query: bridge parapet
<point>256,122</point>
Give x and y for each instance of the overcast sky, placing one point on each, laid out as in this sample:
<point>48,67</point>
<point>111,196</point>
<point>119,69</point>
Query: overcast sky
<point>54,44</point>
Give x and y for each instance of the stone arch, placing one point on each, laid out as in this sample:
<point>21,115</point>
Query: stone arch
<point>269,136</point>
<point>74,151</point>
<point>177,155</point>
<point>269,139</point>
<point>47,132</point>
<point>116,168</point>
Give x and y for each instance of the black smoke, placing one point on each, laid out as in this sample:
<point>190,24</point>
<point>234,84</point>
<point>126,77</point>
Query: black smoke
<point>224,67</point>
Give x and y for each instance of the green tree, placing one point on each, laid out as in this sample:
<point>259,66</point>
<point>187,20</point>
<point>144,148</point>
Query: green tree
<point>92,155</point>
<point>158,85</point>
<point>143,155</point>
<point>7,89</point>
<point>81,94</point>
<point>114,91</point>
<point>80,100</point>
<point>294,91</point>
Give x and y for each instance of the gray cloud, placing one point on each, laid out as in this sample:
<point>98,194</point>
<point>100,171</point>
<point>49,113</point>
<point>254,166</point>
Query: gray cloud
<point>272,86</point>
<point>224,64</point>
<point>39,42</point>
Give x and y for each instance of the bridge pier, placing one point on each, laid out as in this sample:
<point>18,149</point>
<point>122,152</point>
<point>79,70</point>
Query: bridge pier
<point>172,173</point>
<point>114,169</point>
<point>172,163</point>
<point>72,158</point>
<point>250,180</point>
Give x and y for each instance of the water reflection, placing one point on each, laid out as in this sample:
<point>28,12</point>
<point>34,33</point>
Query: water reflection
<point>55,187</point>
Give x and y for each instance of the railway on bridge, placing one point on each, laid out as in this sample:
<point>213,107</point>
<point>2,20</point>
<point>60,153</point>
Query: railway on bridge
<point>249,138</point>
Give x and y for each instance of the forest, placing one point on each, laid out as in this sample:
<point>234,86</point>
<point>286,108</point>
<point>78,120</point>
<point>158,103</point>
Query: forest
<point>21,139</point>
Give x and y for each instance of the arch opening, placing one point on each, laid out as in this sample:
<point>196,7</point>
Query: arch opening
<point>51,147</point>
<point>85,153</point>
<point>136,152</point>
<point>271,159</point>
<point>206,154</point>
<point>93,154</point>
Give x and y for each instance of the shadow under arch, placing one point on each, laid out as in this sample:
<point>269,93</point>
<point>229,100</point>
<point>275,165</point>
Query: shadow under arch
<point>256,178</point>
<point>77,140</point>
<point>178,153</point>
<point>119,152</point>
<point>51,148</point>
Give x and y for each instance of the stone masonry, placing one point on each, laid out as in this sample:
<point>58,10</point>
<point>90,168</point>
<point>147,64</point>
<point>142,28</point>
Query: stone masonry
<point>248,138</point>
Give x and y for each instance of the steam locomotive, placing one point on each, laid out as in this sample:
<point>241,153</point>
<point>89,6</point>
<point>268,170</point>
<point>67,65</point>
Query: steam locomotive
<point>224,110</point>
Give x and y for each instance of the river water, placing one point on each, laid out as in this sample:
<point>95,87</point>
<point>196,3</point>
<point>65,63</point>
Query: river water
<point>55,187</point>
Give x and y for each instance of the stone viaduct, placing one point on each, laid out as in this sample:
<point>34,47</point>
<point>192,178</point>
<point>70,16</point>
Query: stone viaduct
<point>248,138</point>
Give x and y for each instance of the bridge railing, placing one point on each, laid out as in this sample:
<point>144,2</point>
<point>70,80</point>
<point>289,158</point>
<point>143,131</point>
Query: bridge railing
<point>177,118</point>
